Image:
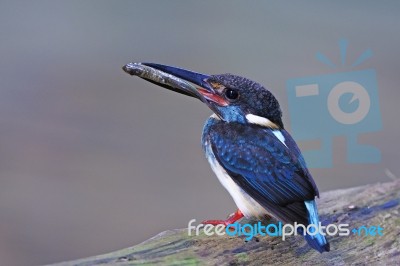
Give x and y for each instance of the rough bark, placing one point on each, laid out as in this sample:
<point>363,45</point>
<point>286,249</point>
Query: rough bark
<point>369,205</point>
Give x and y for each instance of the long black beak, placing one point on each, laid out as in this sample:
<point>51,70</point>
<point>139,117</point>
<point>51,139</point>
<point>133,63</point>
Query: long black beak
<point>176,79</point>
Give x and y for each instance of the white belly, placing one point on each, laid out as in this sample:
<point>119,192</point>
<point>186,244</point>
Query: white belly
<point>246,204</point>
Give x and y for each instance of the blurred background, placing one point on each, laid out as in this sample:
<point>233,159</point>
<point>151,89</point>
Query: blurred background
<point>93,160</point>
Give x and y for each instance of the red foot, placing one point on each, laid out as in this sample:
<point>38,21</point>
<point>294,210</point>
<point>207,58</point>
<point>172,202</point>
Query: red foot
<point>231,219</point>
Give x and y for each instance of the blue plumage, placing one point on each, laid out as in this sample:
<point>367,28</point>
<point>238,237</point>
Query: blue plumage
<point>247,146</point>
<point>317,241</point>
<point>271,172</point>
<point>259,163</point>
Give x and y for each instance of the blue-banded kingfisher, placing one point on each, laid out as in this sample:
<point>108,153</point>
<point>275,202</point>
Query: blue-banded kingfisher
<point>248,148</point>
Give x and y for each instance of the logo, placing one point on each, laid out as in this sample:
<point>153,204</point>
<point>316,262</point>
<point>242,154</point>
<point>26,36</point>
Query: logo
<point>337,104</point>
<point>281,230</point>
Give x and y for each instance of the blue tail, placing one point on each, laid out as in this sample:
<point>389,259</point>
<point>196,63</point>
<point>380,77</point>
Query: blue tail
<point>317,241</point>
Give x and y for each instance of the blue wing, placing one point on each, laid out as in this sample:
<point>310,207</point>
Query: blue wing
<point>291,144</point>
<point>273,174</point>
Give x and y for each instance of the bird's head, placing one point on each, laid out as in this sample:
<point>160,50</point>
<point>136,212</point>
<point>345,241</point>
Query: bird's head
<point>232,98</point>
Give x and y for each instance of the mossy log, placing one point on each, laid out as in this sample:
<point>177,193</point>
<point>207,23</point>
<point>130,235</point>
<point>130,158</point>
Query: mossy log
<point>369,205</point>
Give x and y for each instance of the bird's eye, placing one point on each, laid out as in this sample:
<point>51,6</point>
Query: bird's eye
<point>231,94</point>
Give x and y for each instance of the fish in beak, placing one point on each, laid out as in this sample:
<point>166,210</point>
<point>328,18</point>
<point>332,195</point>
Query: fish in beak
<point>179,80</point>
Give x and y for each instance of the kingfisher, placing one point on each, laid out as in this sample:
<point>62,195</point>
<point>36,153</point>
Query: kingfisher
<point>245,141</point>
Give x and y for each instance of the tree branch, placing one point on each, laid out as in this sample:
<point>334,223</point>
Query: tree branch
<point>369,205</point>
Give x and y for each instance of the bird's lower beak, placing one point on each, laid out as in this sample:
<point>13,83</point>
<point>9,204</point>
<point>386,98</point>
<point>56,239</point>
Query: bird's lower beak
<point>177,79</point>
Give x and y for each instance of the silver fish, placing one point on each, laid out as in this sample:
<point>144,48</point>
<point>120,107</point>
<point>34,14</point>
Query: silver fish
<point>160,77</point>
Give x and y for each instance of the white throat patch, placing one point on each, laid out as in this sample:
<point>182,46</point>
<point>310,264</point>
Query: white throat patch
<point>261,121</point>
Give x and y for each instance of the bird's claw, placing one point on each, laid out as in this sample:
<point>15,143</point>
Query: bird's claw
<point>232,218</point>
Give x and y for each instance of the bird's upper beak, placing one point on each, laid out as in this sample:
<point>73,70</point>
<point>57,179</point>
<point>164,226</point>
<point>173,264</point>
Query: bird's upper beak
<point>177,79</point>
